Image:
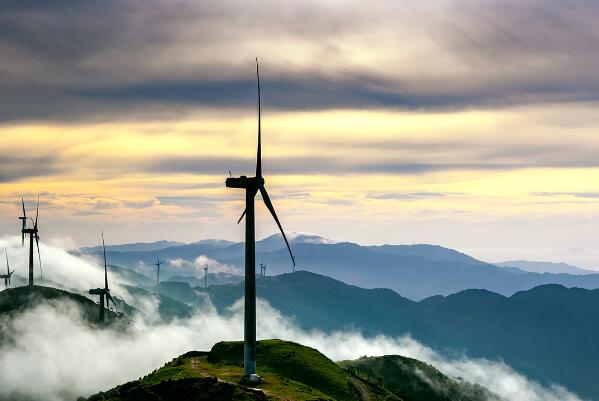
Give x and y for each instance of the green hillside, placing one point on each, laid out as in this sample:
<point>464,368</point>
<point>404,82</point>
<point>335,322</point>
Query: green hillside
<point>290,372</point>
<point>416,380</point>
<point>18,299</point>
<point>168,308</point>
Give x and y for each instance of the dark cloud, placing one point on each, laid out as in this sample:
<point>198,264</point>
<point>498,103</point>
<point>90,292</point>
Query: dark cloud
<point>190,200</point>
<point>15,168</point>
<point>82,60</point>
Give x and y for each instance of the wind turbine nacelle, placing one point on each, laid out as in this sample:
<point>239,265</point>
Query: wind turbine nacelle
<point>97,291</point>
<point>244,182</point>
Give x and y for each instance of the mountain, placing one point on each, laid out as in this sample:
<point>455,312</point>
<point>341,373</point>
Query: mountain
<point>415,271</point>
<point>135,247</point>
<point>415,277</point>
<point>538,331</point>
<point>290,372</point>
<point>431,252</point>
<point>546,267</point>
<point>213,279</point>
<point>130,276</point>
<point>169,308</point>
<point>407,377</point>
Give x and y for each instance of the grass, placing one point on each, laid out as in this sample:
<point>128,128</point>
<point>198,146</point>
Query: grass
<point>415,380</point>
<point>289,371</point>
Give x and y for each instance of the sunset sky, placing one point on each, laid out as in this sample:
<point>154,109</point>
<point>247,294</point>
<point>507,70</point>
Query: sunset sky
<point>469,124</point>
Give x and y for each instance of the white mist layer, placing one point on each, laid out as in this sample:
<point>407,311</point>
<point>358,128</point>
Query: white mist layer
<point>68,358</point>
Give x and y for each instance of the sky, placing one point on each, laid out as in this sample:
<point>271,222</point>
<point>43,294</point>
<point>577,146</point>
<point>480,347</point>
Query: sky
<point>469,124</point>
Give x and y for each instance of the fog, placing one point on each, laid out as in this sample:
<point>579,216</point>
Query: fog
<point>68,358</point>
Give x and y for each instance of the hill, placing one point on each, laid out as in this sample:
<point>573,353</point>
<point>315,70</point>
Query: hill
<point>538,331</point>
<point>415,271</point>
<point>289,371</point>
<point>407,377</point>
<point>168,308</point>
<point>130,276</point>
<point>18,299</point>
<point>213,279</point>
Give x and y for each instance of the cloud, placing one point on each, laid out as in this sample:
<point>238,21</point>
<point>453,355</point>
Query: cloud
<point>411,196</point>
<point>169,58</point>
<point>74,359</point>
<point>214,266</point>
<point>87,360</point>
<point>16,168</point>
<point>197,266</point>
<point>588,195</point>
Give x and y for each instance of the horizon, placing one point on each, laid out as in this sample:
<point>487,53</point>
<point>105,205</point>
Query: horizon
<point>293,235</point>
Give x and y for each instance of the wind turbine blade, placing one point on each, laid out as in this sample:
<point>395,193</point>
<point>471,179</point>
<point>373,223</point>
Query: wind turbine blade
<point>39,257</point>
<point>105,268</point>
<point>6,253</point>
<point>37,209</point>
<point>259,154</point>
<point>241,218</point>
<point>270,207</point>
<point>24,221</point>
<point>111,300</point>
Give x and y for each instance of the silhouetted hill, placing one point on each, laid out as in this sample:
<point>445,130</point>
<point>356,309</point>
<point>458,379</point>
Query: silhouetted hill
<point>18,299</point>
<point>538,331</point>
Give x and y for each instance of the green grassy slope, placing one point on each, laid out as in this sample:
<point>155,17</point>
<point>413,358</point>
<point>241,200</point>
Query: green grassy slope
<point>290,372</point>
<point>416,380</point>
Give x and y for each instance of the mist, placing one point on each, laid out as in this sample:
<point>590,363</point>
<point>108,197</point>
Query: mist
<point>69,358</point>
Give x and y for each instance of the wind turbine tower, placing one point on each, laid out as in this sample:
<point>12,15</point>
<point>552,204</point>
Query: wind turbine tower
<point>157,264</point>
<point>104,293</point>
<point>9,273</point>
<point>206,277</point>
<point>252,185</point>
<point>33,234</point>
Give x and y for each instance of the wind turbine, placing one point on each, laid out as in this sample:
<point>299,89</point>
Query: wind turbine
<point>157,264</point>
<point>103,292</point>
<point>262,269</point>
<point>9,273</point>
<point>206,277</point>
<point>252,185</point>
<point>33,234</point>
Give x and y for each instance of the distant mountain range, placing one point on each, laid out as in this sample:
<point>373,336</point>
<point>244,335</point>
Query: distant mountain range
<point>546,267</point>
<point>415,271</point>
<point>539,332</point>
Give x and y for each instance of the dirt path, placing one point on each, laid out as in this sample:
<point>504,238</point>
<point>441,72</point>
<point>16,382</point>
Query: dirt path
<point>195,364</point>
<point>361,389</point>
